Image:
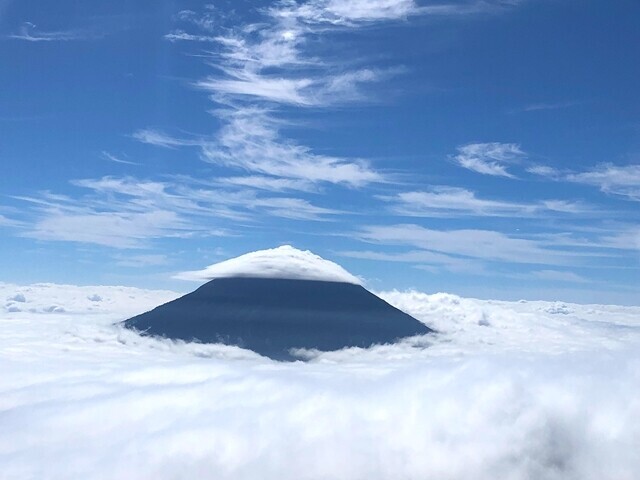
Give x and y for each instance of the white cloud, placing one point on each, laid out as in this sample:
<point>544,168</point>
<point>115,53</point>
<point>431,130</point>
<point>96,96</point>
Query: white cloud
<point>179,35</point>
<point>112,158</point>
<point>559,276</point>
<point>251,141</point>
<point>536,107</point>
<point>281,90</point>
<point>482,244</point>
<point>8,222</point>
<point>614,179</point>
<point>161,139</point>
<point>30,33</point>
<point>479,7</point>
<point>620,180</point>
<point>126,212</point>
<point>112,229</point>
<point>136,261</point>
<point>282,262</point>
<point>423,259</point>
<point>268,63</point>
<point>302,92</point>
<point>445,201</point>
<point>544,171</point>
<point>206,21</point>
<point>627,238</point>
<point>489,158</point>
<point>349,12</point>
<point>275,184</point>
<point>518,390</point>
<point>293,208</point>
<point>353,13</point>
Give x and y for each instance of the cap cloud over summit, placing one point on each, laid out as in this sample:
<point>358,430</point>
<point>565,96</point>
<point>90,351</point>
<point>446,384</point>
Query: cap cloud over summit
<point>284,262</point>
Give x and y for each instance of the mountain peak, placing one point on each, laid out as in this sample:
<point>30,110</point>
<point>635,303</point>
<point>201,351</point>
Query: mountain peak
<point>284,262</point>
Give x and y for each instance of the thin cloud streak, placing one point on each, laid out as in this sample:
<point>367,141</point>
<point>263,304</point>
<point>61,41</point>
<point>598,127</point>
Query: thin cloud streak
<point>613,179</point>
<point>486,245</point>
<point>251,141</point>
<point>30,33</point>
<point>446,201</point>
<point>158,138</point>
<point>128,213</point>
<point>489,158</point>
<point>618,180</point>
<point>112,158</point>
<point>559,276</point>
<point>422,259</point>
<point>536,107</point>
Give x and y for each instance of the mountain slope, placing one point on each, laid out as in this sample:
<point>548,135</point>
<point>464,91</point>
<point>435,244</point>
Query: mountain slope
<point>270,316</point>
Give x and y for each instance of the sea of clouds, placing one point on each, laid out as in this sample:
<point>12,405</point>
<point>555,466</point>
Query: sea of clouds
<point>506,390</point>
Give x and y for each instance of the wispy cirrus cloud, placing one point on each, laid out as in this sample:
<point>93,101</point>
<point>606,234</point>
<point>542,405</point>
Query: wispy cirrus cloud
<point>29,32</point>
<point>115,159</point>
<point>537,107</point>
<point>558,276</point>
<point>488,245</point>
<point>422,259</point>
<point>276,184</point>
<point>158,138</point>
<point>136,261</point>
<point>447,201</point>
<point>180,35</point>
<point>262,67</point>
<point>8,222</point>
<point>265,66</point>
<point>354,12</point>
<point>545,171</point>
<point>251,141</point>
<point>489,158</point>
<point>620,180</point>
<point>126,212</point>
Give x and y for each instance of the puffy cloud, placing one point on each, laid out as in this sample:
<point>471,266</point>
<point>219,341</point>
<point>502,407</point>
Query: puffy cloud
<point>281,262</point>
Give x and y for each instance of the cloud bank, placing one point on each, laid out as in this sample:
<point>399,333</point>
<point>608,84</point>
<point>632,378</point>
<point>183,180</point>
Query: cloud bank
<point>507,390</point>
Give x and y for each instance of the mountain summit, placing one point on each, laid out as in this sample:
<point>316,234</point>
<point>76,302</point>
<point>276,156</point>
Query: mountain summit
<point>273,301</point>
<point>282,262</point>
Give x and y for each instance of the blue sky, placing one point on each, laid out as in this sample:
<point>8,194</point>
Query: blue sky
<point>485,148</point>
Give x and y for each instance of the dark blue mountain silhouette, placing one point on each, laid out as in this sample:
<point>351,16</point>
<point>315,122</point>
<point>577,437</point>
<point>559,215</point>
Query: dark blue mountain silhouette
<point>272,316</point>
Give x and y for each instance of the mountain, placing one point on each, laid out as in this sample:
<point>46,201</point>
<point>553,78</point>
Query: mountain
<point>271,316</point>
<point>275,300</point>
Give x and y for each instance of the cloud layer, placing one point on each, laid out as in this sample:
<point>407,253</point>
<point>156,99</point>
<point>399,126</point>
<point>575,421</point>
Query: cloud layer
<point>507,390</point>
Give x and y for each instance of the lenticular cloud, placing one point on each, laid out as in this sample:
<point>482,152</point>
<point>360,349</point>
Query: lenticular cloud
<point>284,262</point>
<point>508,390</point>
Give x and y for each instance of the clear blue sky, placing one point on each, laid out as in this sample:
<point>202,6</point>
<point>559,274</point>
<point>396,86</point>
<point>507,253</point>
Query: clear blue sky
<point>487,148</point>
